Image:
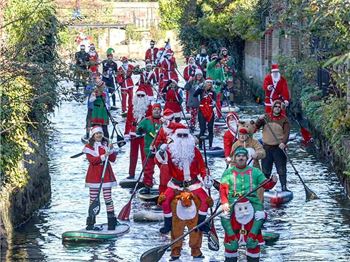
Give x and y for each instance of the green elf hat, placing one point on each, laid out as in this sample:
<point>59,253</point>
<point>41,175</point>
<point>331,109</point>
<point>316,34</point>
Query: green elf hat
<point>110,51</point>
<point>241,151</point>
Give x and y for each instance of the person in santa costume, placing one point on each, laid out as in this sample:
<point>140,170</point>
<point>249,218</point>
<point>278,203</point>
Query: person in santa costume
<point>147,79</point>
<point>140,109</point>
<point>93,59</point>
<point>97,152</point>
<point>151,53</point>
<point>99,114</point>
<point>278,122</point>
<point>185,164</point>
<point>207,99</point>
<point>191,86</point>
<point>202,60</point>
<point>230,136</point>
<point>149,127</point>
<point>168,69</point>
<point>124,79</point>
<point>242,222</point>
<point>173,99</point>
<point>109,72</point>
<point>276,88</point>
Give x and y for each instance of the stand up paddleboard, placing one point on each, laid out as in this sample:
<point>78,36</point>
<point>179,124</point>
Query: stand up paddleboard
<point>228,109</point>
<point>114,108</point>
<point>130,183</point>
<point>275,198</point>
<point>84,140</point>
<point>219,123</point>
<point>215,152</point>
<point>91,235</point>
<point>270,237</point>
<point>149,215</point>
<point>152,197</point>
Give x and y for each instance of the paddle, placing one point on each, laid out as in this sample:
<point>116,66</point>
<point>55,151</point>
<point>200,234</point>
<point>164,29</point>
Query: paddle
<point>156,253</point>
<point>124,213</point>
<point>94,208</point>
<point>310,195</point>
<point>213,240</point>
<point>116,88</point>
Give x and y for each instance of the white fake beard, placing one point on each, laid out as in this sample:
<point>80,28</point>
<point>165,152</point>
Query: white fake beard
<point>140,106</point>
<point>232,125</point>
<point>182,151</point>
<point>244,212</point>
<point>276,76</point>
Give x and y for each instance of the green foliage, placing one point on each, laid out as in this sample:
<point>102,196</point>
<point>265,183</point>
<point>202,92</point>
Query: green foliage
<point>132,33</point>
<point>171,12</point>
<point>29,72</point>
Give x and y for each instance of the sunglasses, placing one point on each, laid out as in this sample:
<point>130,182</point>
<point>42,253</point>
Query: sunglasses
<point>182,135</point>
<point>277,107</point>
<point>139,95</point>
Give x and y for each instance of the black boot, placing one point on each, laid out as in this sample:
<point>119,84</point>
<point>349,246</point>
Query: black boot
<point>90,222</point>
<point>112,221</point>
<point>204,228</point>
<point>284,188</point>
<point>253,259</point>
<point>168,223</point>
<point>231,259</point>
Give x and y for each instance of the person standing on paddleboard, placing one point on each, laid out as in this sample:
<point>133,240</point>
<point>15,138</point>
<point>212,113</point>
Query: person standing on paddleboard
<point>109,72</point>
<point>185,163</point>
<point>173,99</point>
<point>275,142</point>
<point>97,151</point>
<point>231,135</point>
<point>236,182</point>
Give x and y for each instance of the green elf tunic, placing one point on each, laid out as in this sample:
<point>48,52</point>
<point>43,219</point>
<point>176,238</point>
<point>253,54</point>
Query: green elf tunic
<point>99,114</point>
<point>148,126</point>
<point>216,72</point>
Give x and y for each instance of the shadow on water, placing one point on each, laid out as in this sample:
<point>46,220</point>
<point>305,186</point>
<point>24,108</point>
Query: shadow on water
<point>318,230</point>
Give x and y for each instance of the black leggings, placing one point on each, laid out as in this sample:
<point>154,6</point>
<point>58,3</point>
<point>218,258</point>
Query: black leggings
<point>203,126</point>
<point>275,155</point>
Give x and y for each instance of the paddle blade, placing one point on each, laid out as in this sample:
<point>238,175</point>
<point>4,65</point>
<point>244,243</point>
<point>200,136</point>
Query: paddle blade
<point>213,240</point>
<point>310,195</point>
<point>94,208</point>
<point>124,214</point>
<point>77,155</point>
<point>154,254</point>
<point>307,137</point>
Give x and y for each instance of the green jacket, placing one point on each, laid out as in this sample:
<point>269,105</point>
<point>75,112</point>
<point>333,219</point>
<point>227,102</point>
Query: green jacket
<point>215,73</point>
<point>148,126</point>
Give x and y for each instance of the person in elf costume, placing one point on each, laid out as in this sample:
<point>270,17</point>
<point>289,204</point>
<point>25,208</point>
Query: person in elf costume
<point>228,63</point>
<point>242,222</point>
<point>230,136</point>
<point>93,59</point>
<point>124,79</point>
<point>202,60</point>
<point>215,72</point>
<point>173,99</point>
<point>276,88</point>
<point>185,163</point>
<point>149,127</point>
<point>97,152</point>
<point>207,99</point>
<point>99,114</point>
<point>109,72</point>
<point>140,109</point>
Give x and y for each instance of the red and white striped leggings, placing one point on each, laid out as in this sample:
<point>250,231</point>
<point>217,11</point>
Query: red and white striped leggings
<point>107,195</point>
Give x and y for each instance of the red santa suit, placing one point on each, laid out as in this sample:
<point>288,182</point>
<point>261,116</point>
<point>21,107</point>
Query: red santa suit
<point>125,81</point>
<point>275,89</point>
<point>230,136</point>
<point>151,54</point>
<point>181,177</point>
<point>93,60</point>
<point>168,69</point>
<point>147,78</point>
<point>96,158</point>
<point>137,143</point>
<point>173,100</point>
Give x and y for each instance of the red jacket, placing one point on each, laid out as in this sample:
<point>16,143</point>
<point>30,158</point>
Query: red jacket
<point>197,166</point>
<point>279,92</point>
<point>146,81</point>
<point>229,140</point>
<point>94,173</point>
<point>150,56</point>
<point>124,77</point>
<point>131,122</point>
<point>190,71</point>
<point>168,69</point>
<point>173,101</point>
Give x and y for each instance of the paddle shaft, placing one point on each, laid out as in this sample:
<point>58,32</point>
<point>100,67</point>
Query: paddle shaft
<point>116,87</point>
<point>114,123</point>
<point>214,215</point>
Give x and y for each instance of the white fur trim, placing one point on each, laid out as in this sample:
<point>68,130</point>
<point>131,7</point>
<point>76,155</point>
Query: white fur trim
<point>168,117</point>
<point>168,215</point>
<point>275,70</point>
<point>178,114</point>
<point>104,185</point>
<point>140,92</point>
<point>191,187</point>
<point>202,213</point>
<point>186,213</point>
<point>161,159</point>
<point>182,131</point>
<point>96,129</point>
<point>229,254</point>
<point>103,158</point>
<point>89,151</point>
<point>252,254</point>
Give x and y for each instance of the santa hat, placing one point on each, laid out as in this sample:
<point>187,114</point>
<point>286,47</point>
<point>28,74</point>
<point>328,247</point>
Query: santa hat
<point>168,114</point>
<point>124,59</point>
<point>231,114</point>
<point>214,56</point>
<point>95,129</point>
<point>188,59</point>
<point>181,129</point>
<point>198,72</point>
<point>274,68</point>
<point>209,80</point>
<point>243,130</point>
<point>156,105</point>
<point>141,91</point>
<point>276,102</point>
<point>99,82</point>
<point>241,151</point>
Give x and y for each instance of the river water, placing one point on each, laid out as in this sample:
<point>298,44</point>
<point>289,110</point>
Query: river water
<point>318,230</point>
